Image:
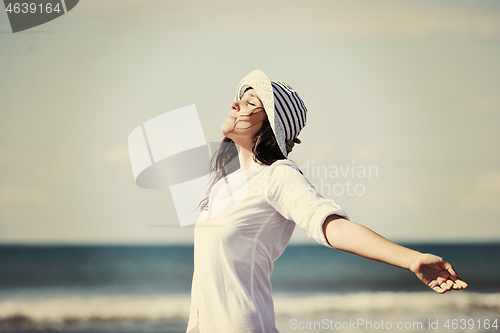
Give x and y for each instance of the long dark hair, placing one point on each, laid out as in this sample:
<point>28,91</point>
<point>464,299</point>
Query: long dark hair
<point>265,149</point>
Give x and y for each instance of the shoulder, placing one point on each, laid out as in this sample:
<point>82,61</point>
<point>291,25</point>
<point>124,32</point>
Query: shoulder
<point>284,165</point>
<point>282,170</point>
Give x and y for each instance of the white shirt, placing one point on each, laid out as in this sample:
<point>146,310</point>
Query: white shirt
<point>248,225</point>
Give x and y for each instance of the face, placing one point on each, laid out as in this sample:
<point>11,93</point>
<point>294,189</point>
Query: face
<point>245,118</point>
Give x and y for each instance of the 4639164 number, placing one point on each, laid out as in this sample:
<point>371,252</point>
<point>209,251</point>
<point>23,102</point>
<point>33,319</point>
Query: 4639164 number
<point>32,8</point>
<point>471,324</point>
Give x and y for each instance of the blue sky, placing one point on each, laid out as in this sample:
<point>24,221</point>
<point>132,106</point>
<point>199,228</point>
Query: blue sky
<point>409,87</point>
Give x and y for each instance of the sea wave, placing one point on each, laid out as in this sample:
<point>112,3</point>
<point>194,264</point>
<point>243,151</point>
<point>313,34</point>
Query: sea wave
<point>92,308</point>
<point>30,308</point>
<point>384,302</point>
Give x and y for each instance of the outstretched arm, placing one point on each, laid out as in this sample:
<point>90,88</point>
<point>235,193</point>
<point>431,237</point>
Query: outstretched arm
<point>354,238</point>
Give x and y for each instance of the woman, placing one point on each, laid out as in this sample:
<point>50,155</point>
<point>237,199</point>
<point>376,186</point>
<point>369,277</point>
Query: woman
<point>256,198</point>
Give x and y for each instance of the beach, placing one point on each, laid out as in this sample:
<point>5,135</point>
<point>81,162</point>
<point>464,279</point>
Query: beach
<point>147,289</point>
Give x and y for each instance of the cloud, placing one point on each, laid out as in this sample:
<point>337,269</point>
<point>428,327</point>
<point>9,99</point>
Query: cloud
<point>343,18</point>
<point>410,200</point>
<point>480,201</point>
<point>486,195</point>
<point>365,152</point>
<point>23,195</point>
<point>489,182</point>
<point>486,102</point>
<point>117,154</point>
<point>394,19</point>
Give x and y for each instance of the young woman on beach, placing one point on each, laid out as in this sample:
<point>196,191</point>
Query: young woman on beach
<point>256,198</point>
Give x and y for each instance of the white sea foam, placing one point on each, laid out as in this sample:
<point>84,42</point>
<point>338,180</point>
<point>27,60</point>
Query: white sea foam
<point>384,302</point>
<point>74,307</point>
<point>63,307</point>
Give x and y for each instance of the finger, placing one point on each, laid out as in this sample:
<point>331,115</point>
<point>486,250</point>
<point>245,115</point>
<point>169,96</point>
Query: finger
<point>445,286</point>
<point>433,284</point>
<point>449,268</point>
<point>438,289</point>
<point>436,282</point>
<point>441,280</point>
<point>458,284</point>
<point>297,140</point>
<point>449,285</point>
<point>461,284</point>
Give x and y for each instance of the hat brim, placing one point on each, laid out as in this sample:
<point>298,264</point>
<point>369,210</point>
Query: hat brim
<point>259,82</point>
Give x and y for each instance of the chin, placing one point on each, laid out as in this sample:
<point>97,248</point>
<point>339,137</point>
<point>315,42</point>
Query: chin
<point>226,133</point>
<point>227,127</point>
<point>224,129</point>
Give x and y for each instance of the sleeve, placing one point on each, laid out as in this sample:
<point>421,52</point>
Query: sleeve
<point>293,196</point>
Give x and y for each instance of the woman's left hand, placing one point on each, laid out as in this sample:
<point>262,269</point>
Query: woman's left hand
<point>437,273</point>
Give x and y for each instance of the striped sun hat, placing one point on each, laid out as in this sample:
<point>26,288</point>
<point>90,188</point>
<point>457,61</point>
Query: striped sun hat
<point>284,108</point>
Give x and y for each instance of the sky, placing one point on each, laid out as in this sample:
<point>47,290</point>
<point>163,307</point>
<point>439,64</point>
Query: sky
<point>407,89</point>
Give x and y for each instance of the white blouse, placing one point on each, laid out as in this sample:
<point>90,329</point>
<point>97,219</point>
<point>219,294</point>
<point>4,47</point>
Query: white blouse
<point>248,225</point>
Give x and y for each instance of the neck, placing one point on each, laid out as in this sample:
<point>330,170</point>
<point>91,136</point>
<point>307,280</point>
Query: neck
<point>245,155</point>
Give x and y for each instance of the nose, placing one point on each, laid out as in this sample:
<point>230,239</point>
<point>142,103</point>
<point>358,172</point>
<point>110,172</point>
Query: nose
<point>235,106</point>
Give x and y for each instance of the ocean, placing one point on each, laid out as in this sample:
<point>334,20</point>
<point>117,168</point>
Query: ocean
<point>119,289</point>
